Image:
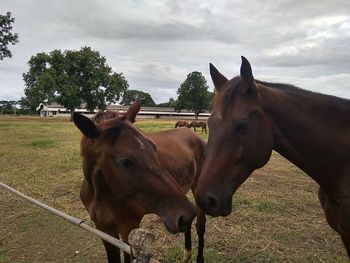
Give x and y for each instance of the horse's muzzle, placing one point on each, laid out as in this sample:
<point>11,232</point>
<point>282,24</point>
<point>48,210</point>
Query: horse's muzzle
<point>213,206</point>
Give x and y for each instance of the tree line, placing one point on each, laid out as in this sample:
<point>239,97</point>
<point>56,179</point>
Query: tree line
<point>73,78</point>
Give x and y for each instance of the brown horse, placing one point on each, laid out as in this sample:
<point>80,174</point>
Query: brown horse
<point>181,124</point>
<point>128,174</point>
<point>251,118</point>
<point>104,115</point>
<point>198,124</point>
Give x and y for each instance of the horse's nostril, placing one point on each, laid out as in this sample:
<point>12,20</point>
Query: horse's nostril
<point>183,223</point>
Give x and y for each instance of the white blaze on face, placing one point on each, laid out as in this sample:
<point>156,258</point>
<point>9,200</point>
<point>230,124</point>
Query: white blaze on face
<point>142,146</point>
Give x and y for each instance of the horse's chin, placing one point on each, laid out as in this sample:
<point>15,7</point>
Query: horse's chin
<point>174,229</point>
<point>169,226</point>
<point>227,210</point>
<point>170,229</point>
<point>224,210</point>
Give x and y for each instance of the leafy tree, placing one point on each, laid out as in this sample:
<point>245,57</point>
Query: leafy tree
<point>131,95</point>
<point>193,94</point>
<point>171,103</point>
<point>39,82</point>
<point>8,106</point>
<point>72,78</point>
<point>6,35</point>
<point>163,104</point>
<point>211,100</point>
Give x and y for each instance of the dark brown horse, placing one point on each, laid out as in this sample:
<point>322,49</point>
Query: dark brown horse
<point>182,124</point>
<point>128,174</point>
<point>198,124</point>
<point>251,118</point>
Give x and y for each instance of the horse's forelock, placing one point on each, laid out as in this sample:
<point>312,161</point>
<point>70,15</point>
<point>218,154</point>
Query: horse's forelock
<point>105,115</point>
<point>226,98</point>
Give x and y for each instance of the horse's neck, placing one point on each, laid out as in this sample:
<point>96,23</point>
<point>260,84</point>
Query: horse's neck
<point>309,132</point>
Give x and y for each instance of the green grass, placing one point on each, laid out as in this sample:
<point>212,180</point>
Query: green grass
<point>240,202</point>
<point>244,203</point>
<point>160,125</point>
<point>45,143</point>
<point>2,256</point>
<point>276,215</point>
<point>155,125</point>
<point>266,206</point>
<point>175,254</point>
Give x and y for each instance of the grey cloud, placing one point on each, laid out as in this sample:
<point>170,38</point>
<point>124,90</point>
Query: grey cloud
<point>157,43</point>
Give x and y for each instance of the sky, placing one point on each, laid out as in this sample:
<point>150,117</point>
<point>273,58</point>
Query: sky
<point>155,43</point>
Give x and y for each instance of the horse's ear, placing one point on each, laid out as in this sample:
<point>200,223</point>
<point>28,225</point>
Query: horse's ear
<point>86,125</point>
<point>216,76</point>
<point>247,75</point>
<point>130,115</point>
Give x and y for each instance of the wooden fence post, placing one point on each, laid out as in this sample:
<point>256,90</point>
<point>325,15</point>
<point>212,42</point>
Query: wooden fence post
<point>141,241</point>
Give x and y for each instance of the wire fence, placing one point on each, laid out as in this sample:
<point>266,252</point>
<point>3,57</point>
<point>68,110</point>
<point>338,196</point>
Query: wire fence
<point>139,239</point>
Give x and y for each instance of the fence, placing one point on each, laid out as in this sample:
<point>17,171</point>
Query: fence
<point>139,239</point>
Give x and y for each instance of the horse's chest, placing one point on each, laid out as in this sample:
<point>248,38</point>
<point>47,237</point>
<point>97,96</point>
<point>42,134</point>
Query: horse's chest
<point>110,213</point>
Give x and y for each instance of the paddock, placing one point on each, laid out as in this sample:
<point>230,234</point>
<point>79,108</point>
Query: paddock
<point>276,217</point>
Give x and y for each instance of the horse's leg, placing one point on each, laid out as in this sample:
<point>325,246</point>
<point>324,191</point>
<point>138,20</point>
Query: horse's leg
<point>200,226</point>
<point>338,219</point>
<point>346,242</point>
<point>200,223</point>
<point>188,246</point>
<point>124,232</point>
<point>113,252</point>
<point>124,236</point>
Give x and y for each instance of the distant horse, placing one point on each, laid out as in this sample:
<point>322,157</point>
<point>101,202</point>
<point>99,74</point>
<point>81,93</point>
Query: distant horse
<point>182,124</point>
<point>128,173</point>
<point>251,118</point>
<point>199,124</point>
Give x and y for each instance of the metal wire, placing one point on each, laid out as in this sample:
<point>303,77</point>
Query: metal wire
<point>72,220</point>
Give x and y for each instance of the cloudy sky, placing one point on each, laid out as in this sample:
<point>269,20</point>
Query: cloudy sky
<point>157,43</point>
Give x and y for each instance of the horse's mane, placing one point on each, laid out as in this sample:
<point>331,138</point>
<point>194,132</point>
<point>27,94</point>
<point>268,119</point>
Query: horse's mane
<point>332,100</point>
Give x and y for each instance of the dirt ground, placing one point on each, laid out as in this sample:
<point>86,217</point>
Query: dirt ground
<point>276,215</point>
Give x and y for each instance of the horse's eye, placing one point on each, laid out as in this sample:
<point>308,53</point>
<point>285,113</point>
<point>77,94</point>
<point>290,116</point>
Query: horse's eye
<point>241,127</point>
<point>126,163</point>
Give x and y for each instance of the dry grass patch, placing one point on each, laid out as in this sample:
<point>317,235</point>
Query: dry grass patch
<point>276,215</point>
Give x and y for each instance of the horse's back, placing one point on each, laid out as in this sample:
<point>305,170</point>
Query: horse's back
<point>180,151</point>
<point>177,139</point>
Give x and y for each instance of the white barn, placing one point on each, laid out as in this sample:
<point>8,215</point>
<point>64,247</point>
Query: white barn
<point>56,110</point>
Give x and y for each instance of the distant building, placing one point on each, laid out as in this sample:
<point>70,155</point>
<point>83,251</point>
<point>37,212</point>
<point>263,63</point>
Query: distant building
<point>56,110</point>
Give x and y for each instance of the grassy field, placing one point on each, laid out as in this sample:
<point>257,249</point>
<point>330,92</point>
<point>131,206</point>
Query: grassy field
<point>276,218</point>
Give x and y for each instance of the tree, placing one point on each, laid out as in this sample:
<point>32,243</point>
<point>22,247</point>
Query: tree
<point>72,78</point>
<point>131,95</point>
<point>6,35</point>
<point>39,82</point>
<point>193,94</point>
<point>8,106</point>
<point>172,103</point>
